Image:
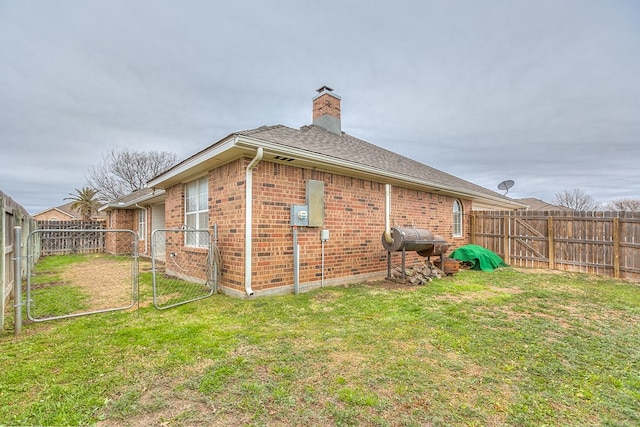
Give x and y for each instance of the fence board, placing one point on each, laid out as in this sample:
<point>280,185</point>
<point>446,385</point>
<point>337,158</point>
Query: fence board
<point>605,243</point>
<point>11,215</point>
<point>63,238</point>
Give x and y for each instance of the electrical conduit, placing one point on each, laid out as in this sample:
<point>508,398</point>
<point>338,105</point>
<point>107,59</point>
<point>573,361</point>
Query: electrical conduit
<point>248,228</point>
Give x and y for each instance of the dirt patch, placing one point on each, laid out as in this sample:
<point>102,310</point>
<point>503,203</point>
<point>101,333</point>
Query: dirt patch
<point>166,402</point>
<point>484,294</point>
<point>108,282</point>
<point>538,271</point>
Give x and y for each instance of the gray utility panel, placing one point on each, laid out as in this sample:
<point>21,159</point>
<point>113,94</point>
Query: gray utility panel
<point>311,214</point>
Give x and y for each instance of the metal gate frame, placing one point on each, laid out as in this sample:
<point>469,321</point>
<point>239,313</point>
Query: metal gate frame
<point>134,274</point>
<point>211,266</point>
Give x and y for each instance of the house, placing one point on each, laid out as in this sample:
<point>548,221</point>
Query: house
<point>335,194</point>
<point>58,213</point>
<point>534,204</point>
<point>62,213</point>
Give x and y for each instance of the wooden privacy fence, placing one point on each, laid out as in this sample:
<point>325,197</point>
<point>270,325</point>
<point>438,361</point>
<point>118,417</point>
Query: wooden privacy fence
<point>604,243</point>
<point>11,215</point>
<point>63,238</point>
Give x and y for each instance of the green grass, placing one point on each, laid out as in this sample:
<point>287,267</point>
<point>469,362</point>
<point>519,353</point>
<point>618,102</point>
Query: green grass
<point>501,348</point>
<point>51,295</point>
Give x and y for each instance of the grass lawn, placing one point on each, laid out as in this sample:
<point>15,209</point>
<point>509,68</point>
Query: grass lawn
<point>485,349</point>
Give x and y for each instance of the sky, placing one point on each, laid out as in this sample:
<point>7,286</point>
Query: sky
<point>542,92</point>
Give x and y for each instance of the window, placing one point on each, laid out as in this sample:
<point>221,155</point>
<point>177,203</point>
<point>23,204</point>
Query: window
<point>197,212</point>
<point>142,224</point>
<point>457,218</point>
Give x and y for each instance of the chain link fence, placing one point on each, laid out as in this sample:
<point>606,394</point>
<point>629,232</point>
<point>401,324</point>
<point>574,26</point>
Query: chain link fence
<point>78,280</point>
<point>183,265</point>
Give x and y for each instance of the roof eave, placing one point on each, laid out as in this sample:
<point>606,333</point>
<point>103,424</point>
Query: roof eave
<point>156,194</point>
<point>214,155</point>
<point>320,161</point>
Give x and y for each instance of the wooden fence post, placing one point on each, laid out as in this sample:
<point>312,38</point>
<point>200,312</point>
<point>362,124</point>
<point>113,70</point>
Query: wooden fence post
<point>507,236</point>
<point>552,246</point>
<point>3,257</point>
<point>616,247</point>
<point>472,229</point>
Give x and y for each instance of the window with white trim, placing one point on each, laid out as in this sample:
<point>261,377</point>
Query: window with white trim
<point>197,212</point>
<point>142,224</point>
<point>457,218</point>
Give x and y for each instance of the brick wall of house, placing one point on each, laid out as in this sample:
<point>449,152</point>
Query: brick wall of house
<point>227,209</point>
<point>174,206</point>
<point>119,242</point>
<point>174,219</point>
<point>354,216</point>
<point>53,215</point>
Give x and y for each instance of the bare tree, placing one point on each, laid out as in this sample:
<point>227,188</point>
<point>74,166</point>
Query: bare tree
<point>124,171</point>
<point>627,205</point>
<point>575,199</point>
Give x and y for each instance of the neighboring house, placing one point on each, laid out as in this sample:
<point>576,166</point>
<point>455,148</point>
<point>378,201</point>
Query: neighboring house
<point>540,205</point>
<point>59,213</point>
<point>254,183</point>
<point>63,213</point>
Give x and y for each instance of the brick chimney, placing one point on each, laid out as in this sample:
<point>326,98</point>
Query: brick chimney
<point>326,110</point>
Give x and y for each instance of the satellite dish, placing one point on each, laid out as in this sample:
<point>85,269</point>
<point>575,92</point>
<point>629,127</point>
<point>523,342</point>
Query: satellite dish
<point>506,185</point>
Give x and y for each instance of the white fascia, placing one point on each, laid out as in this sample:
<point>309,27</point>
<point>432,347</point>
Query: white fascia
<point>207,154</point>
<point>134,202</point>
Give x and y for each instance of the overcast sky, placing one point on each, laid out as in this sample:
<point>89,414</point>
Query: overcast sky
<point>546,93</point>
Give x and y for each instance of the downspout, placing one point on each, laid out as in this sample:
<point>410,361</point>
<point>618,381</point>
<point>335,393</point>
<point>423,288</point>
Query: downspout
<point>387,214</point>
<point>248,229</point>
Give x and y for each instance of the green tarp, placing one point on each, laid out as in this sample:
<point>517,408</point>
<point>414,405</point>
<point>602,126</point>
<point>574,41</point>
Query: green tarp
<point>480,258</point>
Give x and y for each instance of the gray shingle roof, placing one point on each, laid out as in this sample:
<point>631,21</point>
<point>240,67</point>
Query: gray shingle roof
<point>346,147</point>
<point>540,205</point>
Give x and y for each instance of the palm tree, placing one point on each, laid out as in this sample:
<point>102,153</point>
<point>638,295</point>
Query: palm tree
<point>84,201</point>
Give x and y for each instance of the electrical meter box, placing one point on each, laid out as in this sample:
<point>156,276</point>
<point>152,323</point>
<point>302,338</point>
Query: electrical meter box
<point>300,215</point>
<point>311,214</point>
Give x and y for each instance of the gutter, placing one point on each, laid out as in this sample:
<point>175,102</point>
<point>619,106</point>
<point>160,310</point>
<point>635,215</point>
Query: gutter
<point>248,229</point>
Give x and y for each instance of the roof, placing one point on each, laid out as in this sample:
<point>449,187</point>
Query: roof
<point>63,209</point>
<point>313,146</point>
<point>133,200</point>
<point>540,205</point>
<point>69,212</point>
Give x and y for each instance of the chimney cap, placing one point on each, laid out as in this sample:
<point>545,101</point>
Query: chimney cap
<point>324,88</point>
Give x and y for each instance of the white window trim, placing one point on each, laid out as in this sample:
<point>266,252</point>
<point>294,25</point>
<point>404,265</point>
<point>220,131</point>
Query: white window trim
<point>142,224</point>
<point>457,219</point>
<point>202,206</point>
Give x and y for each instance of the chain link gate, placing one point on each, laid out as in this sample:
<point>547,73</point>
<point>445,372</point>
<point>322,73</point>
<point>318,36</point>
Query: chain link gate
<point>72,275</point>
<point>78,272</point>
<point>183,266</point>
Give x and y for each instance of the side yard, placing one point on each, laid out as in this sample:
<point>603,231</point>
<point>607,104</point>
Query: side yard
<point>512,347</point>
